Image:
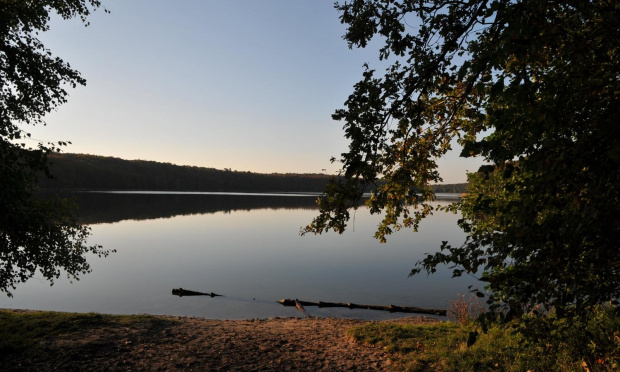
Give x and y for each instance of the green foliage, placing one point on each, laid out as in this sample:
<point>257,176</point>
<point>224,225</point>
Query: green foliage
<point>448,347</point>
<point>398,338</point>
<point>533,88</point>
<point>34,235</point>
<point>593,340</point>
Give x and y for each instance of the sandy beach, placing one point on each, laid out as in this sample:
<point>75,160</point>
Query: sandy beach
<point>167,343</point>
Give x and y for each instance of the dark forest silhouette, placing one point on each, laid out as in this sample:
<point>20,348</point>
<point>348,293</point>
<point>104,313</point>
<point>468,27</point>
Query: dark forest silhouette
<point>91,172</point>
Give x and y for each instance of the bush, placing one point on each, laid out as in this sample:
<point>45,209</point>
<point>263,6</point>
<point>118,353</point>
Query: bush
<point>464,310</point>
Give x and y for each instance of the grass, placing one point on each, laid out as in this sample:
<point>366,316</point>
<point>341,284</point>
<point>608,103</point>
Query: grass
<point>443,346</point>
<point>448,346</point>
<point>21,331</point>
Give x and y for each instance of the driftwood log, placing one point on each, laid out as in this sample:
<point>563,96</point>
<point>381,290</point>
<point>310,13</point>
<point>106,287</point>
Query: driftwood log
<point>184,292</point>
<point>300,307</point>
<point>390,308</point>
<point>300,304</point>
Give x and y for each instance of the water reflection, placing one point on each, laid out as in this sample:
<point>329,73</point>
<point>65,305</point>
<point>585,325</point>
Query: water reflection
<point>248,249</point>
<point>109,207</point>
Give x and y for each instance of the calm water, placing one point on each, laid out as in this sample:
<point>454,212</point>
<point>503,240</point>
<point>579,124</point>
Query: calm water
<point>246,247</point>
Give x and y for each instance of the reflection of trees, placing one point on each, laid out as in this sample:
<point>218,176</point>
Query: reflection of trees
<point>101,207</point>
<point>107,208</point>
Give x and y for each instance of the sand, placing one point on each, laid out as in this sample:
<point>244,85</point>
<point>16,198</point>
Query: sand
<point>197,344</point>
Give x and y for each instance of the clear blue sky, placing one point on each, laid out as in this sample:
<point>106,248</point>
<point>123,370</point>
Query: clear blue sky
<point>248,85</point>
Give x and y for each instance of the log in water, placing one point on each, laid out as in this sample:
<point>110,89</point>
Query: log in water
<point>184,292</point>
<point>390,308</point>
<point>301,304</point>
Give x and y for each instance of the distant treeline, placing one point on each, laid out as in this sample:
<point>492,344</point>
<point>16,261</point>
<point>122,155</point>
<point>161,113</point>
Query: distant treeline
<point>91,172</point>
<point>451,188</point>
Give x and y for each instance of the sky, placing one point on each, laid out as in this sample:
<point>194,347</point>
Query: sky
<point>244,84</point>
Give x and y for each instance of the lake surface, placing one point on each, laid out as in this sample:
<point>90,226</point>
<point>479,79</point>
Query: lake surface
<point>246,247</point>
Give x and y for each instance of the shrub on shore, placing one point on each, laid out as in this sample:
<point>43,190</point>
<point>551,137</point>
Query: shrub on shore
<point>448,346</point>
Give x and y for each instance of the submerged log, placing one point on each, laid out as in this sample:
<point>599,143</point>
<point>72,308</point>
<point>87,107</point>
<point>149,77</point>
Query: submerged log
<point>184,292</point>
<point>390,308</point>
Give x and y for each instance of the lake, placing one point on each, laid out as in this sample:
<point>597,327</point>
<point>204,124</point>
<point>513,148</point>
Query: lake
<point>247,248</point>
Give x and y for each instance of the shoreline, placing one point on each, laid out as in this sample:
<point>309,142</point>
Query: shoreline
<point>171,343</point>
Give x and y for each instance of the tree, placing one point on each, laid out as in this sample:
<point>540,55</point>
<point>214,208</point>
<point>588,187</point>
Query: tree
<point>532,87</point>
<point>35,234</point>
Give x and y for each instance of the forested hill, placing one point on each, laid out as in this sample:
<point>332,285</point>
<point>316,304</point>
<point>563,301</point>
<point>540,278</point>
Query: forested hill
<point>451,188</point>
<point>91,172</point>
